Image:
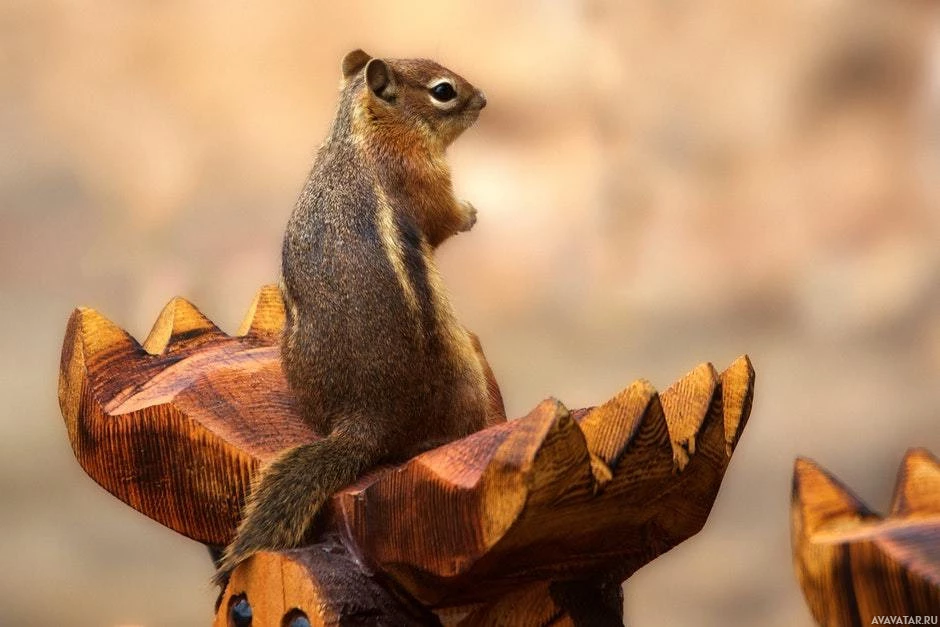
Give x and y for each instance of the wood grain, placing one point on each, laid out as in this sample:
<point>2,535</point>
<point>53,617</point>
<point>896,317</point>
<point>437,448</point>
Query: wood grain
<point>175,427</point>
<point>559,501</point>
<point>321,583</point>
<point>853,564</point>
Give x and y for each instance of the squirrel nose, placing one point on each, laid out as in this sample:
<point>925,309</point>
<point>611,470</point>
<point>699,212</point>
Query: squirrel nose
<point>482,98</point>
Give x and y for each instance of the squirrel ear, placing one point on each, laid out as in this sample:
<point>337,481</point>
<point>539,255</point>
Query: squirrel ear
<point>380,80</point>
<point>353,62</point>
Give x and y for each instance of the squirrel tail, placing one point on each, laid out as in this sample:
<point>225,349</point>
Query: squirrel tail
<point>288,493</point>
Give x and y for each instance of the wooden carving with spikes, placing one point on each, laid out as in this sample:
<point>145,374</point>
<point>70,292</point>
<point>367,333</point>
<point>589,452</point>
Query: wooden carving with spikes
<point>535,521</point>
<point>855,565</point>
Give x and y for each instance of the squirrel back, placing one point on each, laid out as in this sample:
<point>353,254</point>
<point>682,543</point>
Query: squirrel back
<point>371,348</point>
<point>369,328</point>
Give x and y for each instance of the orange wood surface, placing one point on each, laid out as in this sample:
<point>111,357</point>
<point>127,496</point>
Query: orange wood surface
<point>323,584</point>
<point>854,564</point>
<point>176,426</point>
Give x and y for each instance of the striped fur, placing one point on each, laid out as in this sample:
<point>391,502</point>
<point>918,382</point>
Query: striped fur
<point>372,349</point>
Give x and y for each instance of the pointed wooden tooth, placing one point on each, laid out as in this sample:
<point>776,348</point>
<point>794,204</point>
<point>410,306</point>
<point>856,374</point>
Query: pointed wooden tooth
<point>515,454</point>
<point>90,338</point>
<point>608,429</point>
<point>543,455</point>
<point>179,322</point>
<point>265,316</point>
<point>917,490</point>
<point>519,449</point>
<point>820,499</point>
<point>653,430</point>
<point>686,405</point>
<point>92,344</point>
<point>649,448</point>
<point>562,462</point>
<point>737,395</point>
<point>100,338</point>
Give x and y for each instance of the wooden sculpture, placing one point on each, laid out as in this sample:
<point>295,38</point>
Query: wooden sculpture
<point>857,567</point>
<point>535,521</point>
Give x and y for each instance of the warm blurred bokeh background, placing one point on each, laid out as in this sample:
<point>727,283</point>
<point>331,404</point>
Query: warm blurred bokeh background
<point>659,184</point>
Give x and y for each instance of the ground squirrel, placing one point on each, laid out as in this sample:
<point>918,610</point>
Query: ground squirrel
<point>371,349</point>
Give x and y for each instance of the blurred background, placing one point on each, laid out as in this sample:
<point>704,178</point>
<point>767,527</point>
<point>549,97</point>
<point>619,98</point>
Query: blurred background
<point>660,183</point>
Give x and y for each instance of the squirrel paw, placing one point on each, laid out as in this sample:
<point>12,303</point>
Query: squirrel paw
<point>469,214</point>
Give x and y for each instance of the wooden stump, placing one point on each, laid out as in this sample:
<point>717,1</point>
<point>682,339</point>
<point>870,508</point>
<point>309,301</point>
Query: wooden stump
<point>855,565</point>
<point>535,521</point>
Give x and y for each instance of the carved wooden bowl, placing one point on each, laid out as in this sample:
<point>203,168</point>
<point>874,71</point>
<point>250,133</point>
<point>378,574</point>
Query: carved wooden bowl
<point>535,521</point>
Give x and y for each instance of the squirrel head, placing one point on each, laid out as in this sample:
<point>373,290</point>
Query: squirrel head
<point>417,94</point>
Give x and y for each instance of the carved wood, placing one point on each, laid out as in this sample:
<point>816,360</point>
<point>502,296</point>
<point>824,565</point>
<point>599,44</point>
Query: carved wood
<point>321,583</point>
<point>854,564</point>
<point>553,510</point>
<point>176,426</point>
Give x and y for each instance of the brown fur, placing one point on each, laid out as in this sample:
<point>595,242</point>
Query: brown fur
<point>371,348</point>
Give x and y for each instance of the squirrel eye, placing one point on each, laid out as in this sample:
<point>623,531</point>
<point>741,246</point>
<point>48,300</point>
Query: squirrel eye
<point>443,91</point>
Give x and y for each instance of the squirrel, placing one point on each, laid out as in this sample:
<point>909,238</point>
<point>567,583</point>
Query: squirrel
<point>371,348</point>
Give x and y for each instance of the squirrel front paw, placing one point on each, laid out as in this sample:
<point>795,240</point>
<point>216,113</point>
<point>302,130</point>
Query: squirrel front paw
<point>469,215</point>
